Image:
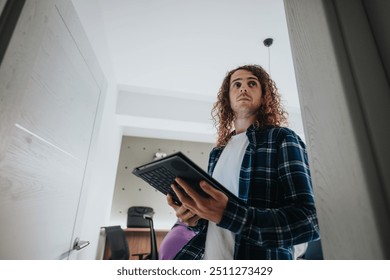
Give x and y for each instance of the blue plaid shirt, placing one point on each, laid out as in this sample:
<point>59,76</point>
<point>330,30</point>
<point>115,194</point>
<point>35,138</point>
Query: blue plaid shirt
<point>277,205</point>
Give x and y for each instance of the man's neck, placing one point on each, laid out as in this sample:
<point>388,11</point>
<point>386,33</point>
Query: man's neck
<point>242,124</point>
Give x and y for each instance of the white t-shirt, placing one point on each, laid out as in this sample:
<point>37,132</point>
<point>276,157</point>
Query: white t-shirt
<point>220,241</point>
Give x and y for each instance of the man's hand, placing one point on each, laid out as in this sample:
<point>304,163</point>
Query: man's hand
<point>182,213</point>
<point>210,208</point>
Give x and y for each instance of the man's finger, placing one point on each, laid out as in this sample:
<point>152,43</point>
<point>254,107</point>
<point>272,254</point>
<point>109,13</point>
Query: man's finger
<point>210,190</point>
<point>171,202</point>
<point>180,194</point>
<point>177,191</point>
<point>188,189</point>
<point>191,220</point>
<point>181,211</point>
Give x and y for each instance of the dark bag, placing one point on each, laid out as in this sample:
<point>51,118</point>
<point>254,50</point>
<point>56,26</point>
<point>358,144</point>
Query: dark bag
<point>135,216</point>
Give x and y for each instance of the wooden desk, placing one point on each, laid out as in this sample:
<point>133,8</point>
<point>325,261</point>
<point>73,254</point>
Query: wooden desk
<point>138,240</point>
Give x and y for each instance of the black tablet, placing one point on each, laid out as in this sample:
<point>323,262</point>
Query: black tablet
<point>161,174</point>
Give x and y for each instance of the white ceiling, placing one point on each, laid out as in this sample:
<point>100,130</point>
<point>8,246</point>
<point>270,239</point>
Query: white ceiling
<point>169,58</point>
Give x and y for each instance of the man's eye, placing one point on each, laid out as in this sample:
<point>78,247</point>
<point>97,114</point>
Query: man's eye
<point>237,85</point>
<point>252,84</point>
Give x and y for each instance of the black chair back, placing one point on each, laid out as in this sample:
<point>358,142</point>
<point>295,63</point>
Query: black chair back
<point>135,216</point>
<point>118,243</point>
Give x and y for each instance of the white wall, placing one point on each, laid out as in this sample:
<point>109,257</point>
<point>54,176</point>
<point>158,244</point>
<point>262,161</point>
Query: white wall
<point>103,162</point>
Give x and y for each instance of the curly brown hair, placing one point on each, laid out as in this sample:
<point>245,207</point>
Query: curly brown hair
<point>270,113</point>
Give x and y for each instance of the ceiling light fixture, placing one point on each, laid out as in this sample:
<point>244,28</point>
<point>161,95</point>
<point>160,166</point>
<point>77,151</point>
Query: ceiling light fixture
<point>159,155</point>
<point>268,42</point>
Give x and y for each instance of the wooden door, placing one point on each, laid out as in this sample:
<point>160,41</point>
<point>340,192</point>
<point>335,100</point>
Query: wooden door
<point>49,92</point>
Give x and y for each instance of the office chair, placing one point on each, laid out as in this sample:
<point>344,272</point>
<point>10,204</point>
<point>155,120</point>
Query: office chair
<point>142,217</point>
<point>118,243</point>
<point>135,216</point>
<point>153,240</point>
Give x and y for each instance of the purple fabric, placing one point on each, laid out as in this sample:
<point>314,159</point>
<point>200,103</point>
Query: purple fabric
<point>175,239</point>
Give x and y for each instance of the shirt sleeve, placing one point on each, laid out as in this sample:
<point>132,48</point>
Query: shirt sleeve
<point>295,220</point>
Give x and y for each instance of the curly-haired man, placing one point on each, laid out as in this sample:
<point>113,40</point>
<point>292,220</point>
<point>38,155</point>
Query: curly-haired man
<point>265,164</point>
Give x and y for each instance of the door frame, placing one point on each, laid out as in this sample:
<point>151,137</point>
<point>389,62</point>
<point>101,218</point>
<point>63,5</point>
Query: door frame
<point>8,18</point>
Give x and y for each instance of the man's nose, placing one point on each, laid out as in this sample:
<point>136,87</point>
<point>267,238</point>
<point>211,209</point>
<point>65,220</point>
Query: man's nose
<point>243,89</point>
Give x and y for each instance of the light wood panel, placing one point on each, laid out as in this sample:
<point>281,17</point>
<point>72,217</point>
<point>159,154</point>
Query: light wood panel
<point>62,81</point>
<point>49,102</point>
<point>17,65</point>
<point>38,199</point>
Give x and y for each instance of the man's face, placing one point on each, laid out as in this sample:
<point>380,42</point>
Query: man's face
<point>244,93</point>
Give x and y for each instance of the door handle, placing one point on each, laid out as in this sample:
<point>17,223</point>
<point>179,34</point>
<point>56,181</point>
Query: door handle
<point>78,244</point>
